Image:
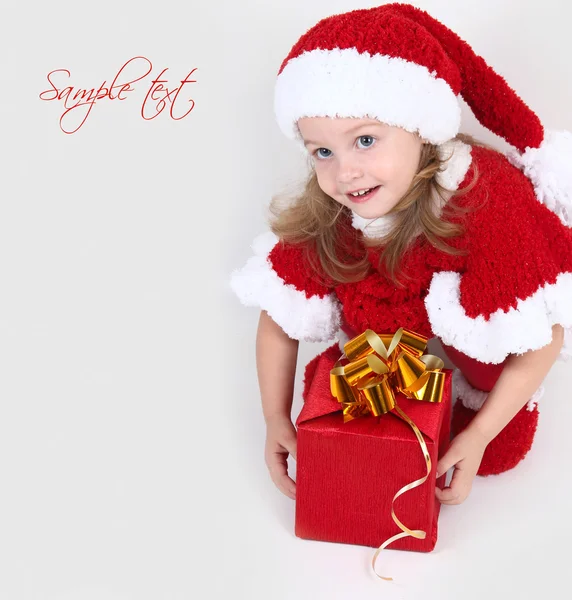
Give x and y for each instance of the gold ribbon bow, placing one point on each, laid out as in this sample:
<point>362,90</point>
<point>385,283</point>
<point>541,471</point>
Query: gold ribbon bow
<point>369,382</point>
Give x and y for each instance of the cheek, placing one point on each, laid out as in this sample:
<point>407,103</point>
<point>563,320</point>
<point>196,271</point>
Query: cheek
<point>384,167</point>
<point>402,167</point>
<point>323,183</point>
<point>325,177</point>
<point>412,156</point>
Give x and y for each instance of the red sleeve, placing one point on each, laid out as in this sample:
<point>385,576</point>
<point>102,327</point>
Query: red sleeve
<point>279,280</point>
<point>518,278</point>
<point>291,264</point>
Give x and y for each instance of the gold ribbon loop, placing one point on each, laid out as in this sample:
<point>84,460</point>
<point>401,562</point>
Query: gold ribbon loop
<point>377,367</point>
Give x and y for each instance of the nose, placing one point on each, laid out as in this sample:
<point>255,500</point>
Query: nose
<point>349,169</point>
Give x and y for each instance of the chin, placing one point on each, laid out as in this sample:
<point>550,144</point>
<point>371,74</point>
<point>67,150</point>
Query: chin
<point>369,212</point>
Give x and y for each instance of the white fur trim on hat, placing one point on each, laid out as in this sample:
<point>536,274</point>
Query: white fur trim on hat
<point>516,331</point>
<point>474,399</point>
<point>459,160</point>
<point>549,167</point>
<point>313,319</point>
<point>347,83</point>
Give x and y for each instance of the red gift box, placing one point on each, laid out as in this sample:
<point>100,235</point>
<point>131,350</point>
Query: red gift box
<point>347,474</point>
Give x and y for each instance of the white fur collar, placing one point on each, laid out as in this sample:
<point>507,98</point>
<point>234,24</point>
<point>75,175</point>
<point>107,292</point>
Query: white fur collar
<point>454,173</point>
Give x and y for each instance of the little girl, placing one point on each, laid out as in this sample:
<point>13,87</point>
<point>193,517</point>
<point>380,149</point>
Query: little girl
<point>373,96</point>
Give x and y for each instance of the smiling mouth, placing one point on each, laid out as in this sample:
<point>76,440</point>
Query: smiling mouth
<point>363,197</point>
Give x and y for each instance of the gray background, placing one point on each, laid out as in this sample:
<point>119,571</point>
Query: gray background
<point>131,436</point>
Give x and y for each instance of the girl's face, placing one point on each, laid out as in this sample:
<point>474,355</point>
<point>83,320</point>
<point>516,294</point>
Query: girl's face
<point>356,154</point>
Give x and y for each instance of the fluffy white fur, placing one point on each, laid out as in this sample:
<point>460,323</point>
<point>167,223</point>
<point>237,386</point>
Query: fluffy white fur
<point>528,327</point>
<point>373,228</point>
<point>346,83</point>
<point>312,319</point>
<point>549,167</point>
<point>459,160</point>
<point>474,399</point>
<point>459,155</point>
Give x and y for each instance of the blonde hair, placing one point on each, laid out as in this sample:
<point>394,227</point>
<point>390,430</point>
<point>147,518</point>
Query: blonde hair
<point>324,226</point>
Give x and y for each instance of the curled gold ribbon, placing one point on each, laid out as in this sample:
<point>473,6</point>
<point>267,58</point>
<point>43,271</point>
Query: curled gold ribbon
<point>377,366</point>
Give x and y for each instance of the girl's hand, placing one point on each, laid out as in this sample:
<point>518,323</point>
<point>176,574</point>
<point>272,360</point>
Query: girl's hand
<point>280,441</point>
<point>465,453</point>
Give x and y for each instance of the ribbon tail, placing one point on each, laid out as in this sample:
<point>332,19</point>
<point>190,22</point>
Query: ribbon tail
<point>416,533</point>
<point>390,541</point>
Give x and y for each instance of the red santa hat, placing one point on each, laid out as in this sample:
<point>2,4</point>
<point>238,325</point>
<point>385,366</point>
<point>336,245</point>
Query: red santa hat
<point>397,64</point>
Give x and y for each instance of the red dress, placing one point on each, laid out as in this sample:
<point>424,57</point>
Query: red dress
<point>501,298</point>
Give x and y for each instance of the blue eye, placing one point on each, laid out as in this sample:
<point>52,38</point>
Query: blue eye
<point>317,152</point>
<point>367,137</point>
<point>320,156</point>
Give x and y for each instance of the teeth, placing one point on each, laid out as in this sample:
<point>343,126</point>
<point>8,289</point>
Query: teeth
<point>362,192</point>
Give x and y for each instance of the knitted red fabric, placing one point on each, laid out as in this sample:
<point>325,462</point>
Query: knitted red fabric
<point>331,354</point>
<point>515,245</point>
<point>495,104</point>
<point>290,262</point>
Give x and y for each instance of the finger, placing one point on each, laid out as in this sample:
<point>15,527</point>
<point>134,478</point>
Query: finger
<point>458,489</point>
<point>448,460</point>
<point>449,494</point>
<point>287,486</point>
<point>446,495</point>
<point>278,467</point>
<point>461,483</point>
<point>289,442</point>
<point>290,446</point>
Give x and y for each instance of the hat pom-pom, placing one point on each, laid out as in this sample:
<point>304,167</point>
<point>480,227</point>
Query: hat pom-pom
<point>549,167</point>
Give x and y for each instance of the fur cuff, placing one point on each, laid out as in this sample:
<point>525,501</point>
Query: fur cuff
<point>549,167</point>
<point>312,319</point>
<point>516,331</point>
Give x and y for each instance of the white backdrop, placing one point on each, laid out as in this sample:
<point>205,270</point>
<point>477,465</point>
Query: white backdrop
<point>131,435</point>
